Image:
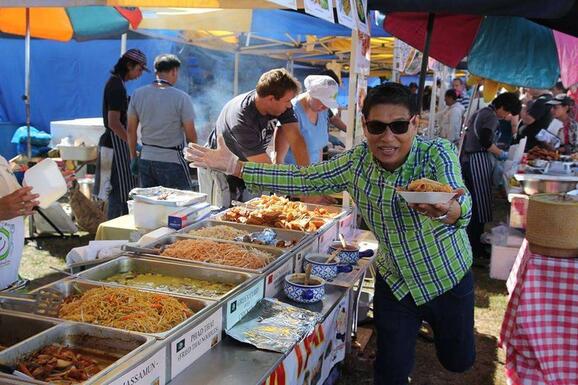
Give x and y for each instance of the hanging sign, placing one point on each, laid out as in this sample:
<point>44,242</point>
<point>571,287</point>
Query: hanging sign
<point>360,11</point>
<point>285,3</point>
<point>322,9</point>
<point>345,13</point>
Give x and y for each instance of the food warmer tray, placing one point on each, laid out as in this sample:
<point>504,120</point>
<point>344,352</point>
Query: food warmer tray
<point>99,340</point>
<point>69,286</point>
<point>181,270</point>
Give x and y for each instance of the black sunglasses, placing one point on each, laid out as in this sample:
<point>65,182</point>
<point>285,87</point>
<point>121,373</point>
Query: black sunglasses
<point>376,127</point>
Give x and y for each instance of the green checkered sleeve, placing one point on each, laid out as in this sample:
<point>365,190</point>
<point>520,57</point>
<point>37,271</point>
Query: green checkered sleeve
<point>447,170</point>
<point>319,178</point>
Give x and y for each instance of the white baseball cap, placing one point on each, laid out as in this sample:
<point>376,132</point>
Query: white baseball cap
<point>323,88</point>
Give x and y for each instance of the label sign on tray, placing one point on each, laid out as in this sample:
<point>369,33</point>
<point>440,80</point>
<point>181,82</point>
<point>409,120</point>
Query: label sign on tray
<point>327,238</point>
<point>274,281</point>
<point>347,225</point>
<point>152,371</point>
<point>186,349</point>
<point>240,305</point>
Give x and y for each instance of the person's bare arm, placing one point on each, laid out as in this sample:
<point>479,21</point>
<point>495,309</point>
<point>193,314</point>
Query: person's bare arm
<point>296,143</point>
<point>260,158</point>
<point>115,125</point>
<point>337,122</point>
<point>131,133</point>
<point>190,131</point>
<point>281,145</point>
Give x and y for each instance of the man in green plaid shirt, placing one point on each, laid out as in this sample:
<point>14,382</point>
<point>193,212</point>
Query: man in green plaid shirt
<point>424,255</point>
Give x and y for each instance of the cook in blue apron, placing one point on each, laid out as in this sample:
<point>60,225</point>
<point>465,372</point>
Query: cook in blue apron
<point>311,108</point>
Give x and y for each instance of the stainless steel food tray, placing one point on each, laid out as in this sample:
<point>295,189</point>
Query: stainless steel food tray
<point>285,235</point>
<point>70,286</point>
<point>126,264</point>
<point>329,221</point>
<point>172,238</point>
<point>111,342</point>
<point>17,327</point>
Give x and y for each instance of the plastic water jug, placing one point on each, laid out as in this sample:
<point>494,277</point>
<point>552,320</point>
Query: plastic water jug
<point>47,181</point>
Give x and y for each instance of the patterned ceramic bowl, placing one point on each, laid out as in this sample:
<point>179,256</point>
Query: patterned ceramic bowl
<point>320,268</point>
<point>349,255</point>
<point>297,291</point>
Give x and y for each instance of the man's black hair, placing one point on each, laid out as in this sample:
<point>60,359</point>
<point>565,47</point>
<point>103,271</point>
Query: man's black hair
<point>387,93</point>
<point>122,66</point>
<point>413,85</point>
<point>166,62</point>
<point>509,101</point>
<point>452,94</point>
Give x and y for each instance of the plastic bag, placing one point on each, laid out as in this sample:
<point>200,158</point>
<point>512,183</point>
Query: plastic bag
<point>548,138</point>
<point>37,138</point>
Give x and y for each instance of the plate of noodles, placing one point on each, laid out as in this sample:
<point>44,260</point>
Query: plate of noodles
<point>426,191</point>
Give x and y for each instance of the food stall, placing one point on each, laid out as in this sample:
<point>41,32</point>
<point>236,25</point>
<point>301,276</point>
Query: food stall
<point>173,310</point>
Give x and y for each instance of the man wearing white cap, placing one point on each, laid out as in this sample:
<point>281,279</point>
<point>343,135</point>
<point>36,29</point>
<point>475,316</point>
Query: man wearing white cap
<point>311,109</point>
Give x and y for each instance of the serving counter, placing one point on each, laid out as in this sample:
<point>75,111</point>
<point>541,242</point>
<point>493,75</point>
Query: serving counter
<point>198,350</point>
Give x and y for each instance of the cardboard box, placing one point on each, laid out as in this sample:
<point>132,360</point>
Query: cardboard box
<point>188,215</point>
<point>503,258</point>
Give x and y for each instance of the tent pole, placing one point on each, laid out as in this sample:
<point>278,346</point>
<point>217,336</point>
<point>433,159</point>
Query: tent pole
<point>122,44</point>
<point>236,75</point>
<point>424,59</point>
<point>27,83</point>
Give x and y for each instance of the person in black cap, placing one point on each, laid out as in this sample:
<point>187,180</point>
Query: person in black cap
<point>563,110</point>
<point>114,111</point>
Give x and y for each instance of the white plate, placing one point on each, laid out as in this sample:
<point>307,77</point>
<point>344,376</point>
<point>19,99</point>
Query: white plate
<point>426,197</point>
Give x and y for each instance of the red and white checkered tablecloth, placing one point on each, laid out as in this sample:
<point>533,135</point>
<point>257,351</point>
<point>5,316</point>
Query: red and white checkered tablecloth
<point>540,328</point>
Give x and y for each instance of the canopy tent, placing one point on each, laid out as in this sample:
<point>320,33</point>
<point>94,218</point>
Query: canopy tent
<point>278,34</point>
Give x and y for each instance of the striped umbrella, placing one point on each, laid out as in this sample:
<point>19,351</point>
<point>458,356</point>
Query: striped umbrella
<point>66,23</point>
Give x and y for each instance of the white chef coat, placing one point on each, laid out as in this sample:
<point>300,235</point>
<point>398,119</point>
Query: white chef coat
<point>11,231</point>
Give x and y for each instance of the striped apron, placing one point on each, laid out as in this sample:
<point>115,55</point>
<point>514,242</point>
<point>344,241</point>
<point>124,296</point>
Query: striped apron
<point>478,168</point>
<point>121,164</point>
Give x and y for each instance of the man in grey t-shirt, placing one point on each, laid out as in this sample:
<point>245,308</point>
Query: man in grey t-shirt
<point>166,118</point>
<point>248,123</point>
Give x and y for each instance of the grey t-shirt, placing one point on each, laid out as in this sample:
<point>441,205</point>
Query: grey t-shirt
<point>245,130</point>
<point>161,112</point>
<point>481,130</point>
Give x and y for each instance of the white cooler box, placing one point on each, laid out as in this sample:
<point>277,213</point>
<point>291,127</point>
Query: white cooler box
<point>149,216</point>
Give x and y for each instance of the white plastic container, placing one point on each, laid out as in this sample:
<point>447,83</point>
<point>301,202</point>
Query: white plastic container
<point>80,153</point>
<point>47,181</point>
<point>149,216</point>
<point>502,261</point>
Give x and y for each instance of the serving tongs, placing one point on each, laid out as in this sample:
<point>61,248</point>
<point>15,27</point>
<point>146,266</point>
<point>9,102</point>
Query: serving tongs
<point>143,250</point>
<point>45,302</point>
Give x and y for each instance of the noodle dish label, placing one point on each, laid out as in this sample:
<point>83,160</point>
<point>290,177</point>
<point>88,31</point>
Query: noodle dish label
<point>242,303</point>
<point>152,371</point>
<point>274,281</point>
<point>327,238</point>
<point>187,348</point>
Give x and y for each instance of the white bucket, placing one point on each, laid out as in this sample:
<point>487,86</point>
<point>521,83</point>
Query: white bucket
<point>47,181</point>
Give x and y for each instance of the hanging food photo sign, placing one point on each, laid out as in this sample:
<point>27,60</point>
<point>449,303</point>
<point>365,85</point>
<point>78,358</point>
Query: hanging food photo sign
<point>345,14</point>
<point>322,9</point>
<point>360,10</point>
<point>285,3</point>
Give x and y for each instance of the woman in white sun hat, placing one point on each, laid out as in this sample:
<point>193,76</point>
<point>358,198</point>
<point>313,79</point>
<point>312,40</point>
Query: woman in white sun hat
<point>311,108</point>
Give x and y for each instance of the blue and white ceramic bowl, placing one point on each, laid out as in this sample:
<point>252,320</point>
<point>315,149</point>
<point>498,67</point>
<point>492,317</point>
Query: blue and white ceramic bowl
<point>320,267</point>
<point>349,255</point>
<point>297,291</point>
